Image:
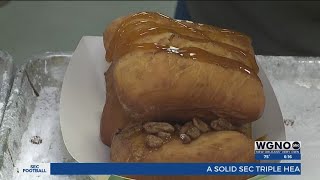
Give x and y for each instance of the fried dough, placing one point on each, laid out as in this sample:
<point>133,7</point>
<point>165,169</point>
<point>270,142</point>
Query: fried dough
<point>214,147</point>
<point>175,72</point>
<point>153,84</point>
<point>113,117</point>
<point>170,70</point>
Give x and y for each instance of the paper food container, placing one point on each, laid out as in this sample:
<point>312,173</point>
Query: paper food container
<point>83,96</point>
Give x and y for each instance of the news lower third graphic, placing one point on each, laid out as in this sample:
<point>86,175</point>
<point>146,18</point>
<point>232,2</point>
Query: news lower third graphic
<point>277,150</point>
<point>159,169</point>
<point>264,150</point>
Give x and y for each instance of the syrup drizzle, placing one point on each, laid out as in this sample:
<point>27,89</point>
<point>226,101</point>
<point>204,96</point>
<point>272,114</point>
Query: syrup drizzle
<point>143,24</point>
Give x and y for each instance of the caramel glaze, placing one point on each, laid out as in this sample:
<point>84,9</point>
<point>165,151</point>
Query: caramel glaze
<point>193,53</point>
<point>142,24</point>
<point>202,30</point>
<point>145,30</point>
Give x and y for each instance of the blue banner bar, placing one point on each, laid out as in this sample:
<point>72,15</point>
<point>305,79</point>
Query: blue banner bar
<point>175,168</point>
<point>278,156</point>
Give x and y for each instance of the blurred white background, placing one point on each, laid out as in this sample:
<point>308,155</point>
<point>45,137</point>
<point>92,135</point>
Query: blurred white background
<point>32,27</point>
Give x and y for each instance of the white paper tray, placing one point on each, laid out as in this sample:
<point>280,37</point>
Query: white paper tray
<point>80,112</point>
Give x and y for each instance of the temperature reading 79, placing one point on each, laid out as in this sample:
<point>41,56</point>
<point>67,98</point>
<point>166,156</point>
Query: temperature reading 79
<point>266,156</point>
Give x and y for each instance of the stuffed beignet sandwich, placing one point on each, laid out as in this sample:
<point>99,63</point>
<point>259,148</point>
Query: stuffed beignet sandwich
<point>179,91</point>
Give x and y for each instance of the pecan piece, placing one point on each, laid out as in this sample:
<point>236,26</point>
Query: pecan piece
<point>185,127</point>
<point>185,138</point>
<point>164,135</point>
<point>155,127</point>
<point>154,141</point>
<point>193,132</point>
<point>221,124</point>
<point>202,126</point>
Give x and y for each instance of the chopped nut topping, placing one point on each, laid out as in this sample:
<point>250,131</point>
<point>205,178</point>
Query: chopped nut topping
<point>155,127</point>
<point>154,141</point>
<point>164,135</point>
<point>160,132</point>
<point>193,132</point>
<point>185,127</point>
<point>221,124</point>
<point>185,138</point>
<point>202,126</point>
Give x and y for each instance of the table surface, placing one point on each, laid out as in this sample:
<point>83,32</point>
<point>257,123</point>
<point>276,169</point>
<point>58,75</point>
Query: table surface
<point>296,83</point>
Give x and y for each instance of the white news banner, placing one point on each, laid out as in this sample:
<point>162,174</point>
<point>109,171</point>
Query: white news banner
<point>29,169</point>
